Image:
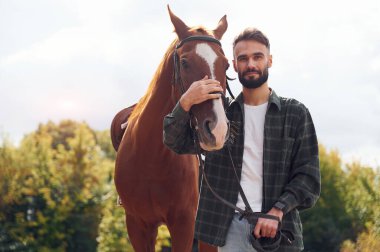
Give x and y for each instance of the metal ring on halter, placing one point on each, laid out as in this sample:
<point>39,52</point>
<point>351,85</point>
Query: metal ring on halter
<point>194,125</point>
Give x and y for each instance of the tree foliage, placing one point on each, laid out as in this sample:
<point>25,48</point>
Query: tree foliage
<point>327,225</point>
<point>57,194</point>
<point>348,207</point>
<point>52,189</point>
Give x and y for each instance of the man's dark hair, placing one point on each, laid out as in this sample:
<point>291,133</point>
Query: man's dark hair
<point>251,33</point>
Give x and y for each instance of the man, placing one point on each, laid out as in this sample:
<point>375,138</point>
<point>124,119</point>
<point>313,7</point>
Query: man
<point>274,148</point>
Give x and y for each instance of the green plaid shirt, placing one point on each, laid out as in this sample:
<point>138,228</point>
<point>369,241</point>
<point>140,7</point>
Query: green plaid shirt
<point>291,172</point>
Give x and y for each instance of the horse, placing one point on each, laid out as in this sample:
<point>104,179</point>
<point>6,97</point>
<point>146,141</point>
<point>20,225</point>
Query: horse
<point>156,185</point>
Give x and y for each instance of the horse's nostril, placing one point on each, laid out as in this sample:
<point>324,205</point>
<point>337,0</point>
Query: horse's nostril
<point>207,127</point>
<point>228,130</point>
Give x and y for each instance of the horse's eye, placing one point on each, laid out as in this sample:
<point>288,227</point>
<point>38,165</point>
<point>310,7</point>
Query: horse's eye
<point>184,64</point>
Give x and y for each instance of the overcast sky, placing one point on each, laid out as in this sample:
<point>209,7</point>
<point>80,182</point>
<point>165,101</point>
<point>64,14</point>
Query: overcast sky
<point>87,59</point>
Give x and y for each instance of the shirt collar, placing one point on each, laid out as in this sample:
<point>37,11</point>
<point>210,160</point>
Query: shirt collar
<point>273,99</point>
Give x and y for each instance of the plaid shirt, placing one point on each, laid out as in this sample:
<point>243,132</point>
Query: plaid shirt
<point>291,172</point>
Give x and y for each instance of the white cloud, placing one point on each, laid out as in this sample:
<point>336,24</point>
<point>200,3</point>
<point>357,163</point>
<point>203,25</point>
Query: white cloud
<point>98,13</point>
<point>92,36</point>
<point>375,64</point>
<point>70,44</point>
<point>366,155</point>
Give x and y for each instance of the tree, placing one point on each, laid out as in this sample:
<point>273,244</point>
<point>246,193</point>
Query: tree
<point>52,189</point>
<point>328,224</point>
<point>362,201</point>
<point>347,210</point>
<point>113,235</point>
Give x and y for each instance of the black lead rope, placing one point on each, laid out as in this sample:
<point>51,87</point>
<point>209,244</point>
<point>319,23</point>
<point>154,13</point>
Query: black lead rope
<point>228,87</point>
<point>248,211</point>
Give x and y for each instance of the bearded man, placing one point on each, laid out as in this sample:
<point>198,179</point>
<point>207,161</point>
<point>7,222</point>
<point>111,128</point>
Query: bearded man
<point>273,146</point>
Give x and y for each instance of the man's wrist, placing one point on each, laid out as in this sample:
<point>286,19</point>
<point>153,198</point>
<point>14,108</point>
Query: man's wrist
<point>276,212</point>
<point>184,104</point>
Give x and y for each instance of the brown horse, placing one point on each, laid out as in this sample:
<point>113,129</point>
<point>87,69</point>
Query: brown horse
<point>156,185</point>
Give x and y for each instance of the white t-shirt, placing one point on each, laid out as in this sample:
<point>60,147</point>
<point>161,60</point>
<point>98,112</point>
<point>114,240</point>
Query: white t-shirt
<point>252,169</point>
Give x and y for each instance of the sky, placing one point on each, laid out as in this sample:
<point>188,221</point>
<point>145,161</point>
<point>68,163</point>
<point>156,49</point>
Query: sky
<point>87,59</point>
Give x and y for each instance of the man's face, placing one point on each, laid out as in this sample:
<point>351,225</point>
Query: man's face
<point>252,61</point>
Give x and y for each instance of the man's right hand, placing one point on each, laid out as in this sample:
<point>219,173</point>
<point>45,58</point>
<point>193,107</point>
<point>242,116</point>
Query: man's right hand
<point>200,91</point>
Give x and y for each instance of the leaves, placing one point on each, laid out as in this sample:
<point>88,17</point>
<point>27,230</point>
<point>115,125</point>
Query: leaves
<point>52,188</point>
<point>57,194</point>
<point>347,209</point>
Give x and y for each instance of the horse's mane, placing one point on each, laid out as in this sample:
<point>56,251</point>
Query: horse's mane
<point>201,30</point>
<point>197,30</point>
<point>143,101</point>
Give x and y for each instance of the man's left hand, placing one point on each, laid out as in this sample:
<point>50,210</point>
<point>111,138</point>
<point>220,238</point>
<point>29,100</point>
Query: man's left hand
<point>267,227</point>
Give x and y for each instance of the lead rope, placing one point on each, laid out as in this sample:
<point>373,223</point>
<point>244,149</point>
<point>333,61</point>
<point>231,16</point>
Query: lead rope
<point>228,87</point>
<point>248,210</point>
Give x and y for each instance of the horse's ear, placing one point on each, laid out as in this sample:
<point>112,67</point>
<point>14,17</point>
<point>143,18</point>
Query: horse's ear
<point>221,28</point>
<point>180,27</point>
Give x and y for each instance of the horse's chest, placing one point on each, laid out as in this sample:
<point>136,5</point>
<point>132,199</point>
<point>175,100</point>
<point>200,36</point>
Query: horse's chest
<point>147,195</point>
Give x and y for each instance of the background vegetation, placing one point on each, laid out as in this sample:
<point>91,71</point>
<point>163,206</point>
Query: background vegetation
<point>57,194</point>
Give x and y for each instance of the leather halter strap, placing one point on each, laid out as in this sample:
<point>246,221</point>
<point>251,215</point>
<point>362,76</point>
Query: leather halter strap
<point>202,38</point>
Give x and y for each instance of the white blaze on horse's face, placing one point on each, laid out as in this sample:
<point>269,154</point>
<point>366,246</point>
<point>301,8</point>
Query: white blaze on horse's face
<point>220,130</point>
<point>207,53</point>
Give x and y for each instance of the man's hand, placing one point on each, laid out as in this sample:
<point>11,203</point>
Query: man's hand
<point>267,227</point>
<point>200,91</point>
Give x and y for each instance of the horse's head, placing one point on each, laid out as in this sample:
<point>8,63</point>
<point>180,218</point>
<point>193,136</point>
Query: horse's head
<point>199,53</point>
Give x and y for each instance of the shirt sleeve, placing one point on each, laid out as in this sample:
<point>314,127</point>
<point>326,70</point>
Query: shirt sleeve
<point>177,134</point>
<point>304,186</point>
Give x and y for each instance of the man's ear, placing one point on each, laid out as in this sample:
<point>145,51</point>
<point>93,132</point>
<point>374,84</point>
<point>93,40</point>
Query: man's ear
<point>270,61</point>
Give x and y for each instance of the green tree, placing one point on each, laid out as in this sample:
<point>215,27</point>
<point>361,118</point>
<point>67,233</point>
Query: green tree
<point>113,235</point>
<point>52,189</point>
<point>328,224</point>
<point>362,201</point>
<point>347,210</point>
<point>363,196</point>
<point>57,192</point>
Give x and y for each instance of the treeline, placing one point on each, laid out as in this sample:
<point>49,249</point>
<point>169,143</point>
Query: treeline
<point>57,194</point>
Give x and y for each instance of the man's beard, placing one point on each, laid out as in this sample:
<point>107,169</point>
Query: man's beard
<point>254,83</point>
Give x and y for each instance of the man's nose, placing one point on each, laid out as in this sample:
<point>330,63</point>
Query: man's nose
<point>251,63</point>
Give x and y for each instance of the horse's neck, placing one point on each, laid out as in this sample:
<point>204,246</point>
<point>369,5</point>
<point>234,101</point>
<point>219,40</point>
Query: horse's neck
<point>148,126</point>
<point>160,103</point>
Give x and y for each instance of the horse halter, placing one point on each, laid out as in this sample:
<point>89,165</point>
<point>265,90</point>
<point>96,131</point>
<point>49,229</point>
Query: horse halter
<point>177,67</point>
<point>177,76</point>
